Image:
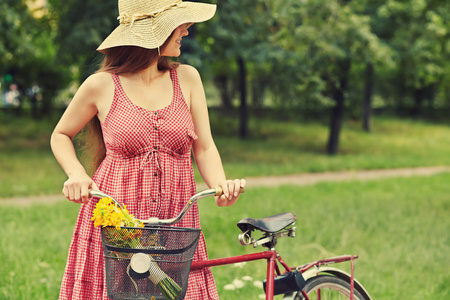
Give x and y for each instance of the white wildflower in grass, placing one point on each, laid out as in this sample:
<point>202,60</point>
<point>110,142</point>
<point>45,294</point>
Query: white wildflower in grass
<point>262,296</point>
<point>238,283</point>
<point>258,284</point>
<point>240,265</point>
<point>247,278</point>
<point>229,287</point>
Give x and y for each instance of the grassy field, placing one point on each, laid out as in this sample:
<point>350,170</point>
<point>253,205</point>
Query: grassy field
<point>273,148</point>
<point>26,162</point>
<point>286,147</point>
<point>398,227</point>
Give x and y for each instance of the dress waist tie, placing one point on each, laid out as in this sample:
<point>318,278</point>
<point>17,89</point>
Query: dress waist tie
<point>165,170</point>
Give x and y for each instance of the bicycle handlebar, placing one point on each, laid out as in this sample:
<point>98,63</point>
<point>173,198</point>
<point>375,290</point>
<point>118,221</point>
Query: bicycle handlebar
<point>157,221</point>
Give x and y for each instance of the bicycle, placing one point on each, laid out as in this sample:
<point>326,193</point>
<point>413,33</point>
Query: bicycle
<point>313,280</point>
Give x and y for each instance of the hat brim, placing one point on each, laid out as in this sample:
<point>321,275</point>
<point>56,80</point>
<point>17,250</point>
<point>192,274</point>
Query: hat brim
<point>151,33</point>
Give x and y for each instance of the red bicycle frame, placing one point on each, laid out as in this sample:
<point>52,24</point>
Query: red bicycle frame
<point>272,267</point>
<point>270,256</point>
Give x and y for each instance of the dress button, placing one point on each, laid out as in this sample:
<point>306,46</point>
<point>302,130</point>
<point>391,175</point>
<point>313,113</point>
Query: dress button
<point>155,147</point>
<point>156,174</point>
<point>156,127</point>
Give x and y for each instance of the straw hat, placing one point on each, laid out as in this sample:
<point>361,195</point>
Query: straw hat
<point>148,23</point>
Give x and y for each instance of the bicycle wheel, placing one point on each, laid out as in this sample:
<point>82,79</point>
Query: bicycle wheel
<point>325,287</point>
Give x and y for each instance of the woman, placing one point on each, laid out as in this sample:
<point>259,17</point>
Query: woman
<point>147,112</point>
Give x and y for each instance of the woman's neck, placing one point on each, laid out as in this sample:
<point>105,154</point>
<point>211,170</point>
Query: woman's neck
<point>147,75</point>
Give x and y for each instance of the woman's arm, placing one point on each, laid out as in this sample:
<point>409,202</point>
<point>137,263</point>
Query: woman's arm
<point>206,154</point>
<point>83,107</point>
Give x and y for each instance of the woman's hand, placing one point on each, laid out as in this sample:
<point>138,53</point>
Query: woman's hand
<point>77,187</point>
<point>231,192</point>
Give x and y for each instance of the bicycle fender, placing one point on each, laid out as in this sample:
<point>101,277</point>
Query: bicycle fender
<point>340,274</point>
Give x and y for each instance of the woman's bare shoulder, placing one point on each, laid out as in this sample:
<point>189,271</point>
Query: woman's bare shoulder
<point>188,73</point>
<point>96,87</point>
<point>96,91</point>
<point>191,84</point>
<point>99,81</point>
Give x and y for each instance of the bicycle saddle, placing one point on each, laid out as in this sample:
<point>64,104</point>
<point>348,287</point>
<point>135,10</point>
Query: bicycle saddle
<point>268,224</point>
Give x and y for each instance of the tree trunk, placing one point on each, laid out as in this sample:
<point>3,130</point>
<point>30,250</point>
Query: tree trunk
<point>243,128</point>
<point>368,92</point>
<point>338,110</point>
<point>418,100</point>
<point>257,88</point>
<point>47,106</point>
<point>400,88</point>
<point>222,83</point>
<point>423,95</point>
<point>336,123</point>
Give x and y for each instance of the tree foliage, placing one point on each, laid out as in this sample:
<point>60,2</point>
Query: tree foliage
<point>27,51</point>
<point>236,42</point>
<point>293,55</point>
<point>315,54</point>
<point>420,42</point>
<point>82,26</point>
<point>329,40</point>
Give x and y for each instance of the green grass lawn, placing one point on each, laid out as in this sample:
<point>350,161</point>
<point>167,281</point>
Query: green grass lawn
<point>273,148</point>
<point>278,148</point>
<point>398,227</point>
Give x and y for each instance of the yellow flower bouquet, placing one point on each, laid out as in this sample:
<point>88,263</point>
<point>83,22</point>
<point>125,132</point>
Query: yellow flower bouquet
<point>107,213</point>
<point>122,230</point>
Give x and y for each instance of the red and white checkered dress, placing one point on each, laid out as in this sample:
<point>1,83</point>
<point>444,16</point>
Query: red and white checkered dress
<point>147,167</point>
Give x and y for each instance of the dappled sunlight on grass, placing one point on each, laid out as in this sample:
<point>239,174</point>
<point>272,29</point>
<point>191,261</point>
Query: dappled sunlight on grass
<point>398,227</point>
<point>21,133</point>
<point>273,148</point>
<point>35,243</point>
<point>288,147</point>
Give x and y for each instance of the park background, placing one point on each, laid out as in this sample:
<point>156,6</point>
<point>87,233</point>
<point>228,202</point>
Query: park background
<point>293,87</point>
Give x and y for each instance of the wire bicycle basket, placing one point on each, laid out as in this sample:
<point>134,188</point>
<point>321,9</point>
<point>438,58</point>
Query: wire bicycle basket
<point>151,262</point>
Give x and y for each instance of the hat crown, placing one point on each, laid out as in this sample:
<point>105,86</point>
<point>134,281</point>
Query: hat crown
<point>148,23</point>
<point>144,6</point>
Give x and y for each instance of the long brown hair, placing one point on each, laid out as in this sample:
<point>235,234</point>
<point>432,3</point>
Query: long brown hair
<point>119,60</point>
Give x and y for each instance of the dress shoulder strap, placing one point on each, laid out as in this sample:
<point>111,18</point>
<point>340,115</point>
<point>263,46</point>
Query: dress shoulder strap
<point>175,81</point>
<point>178,94</point>
<point>118,89</point>
<point>116,80</point>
